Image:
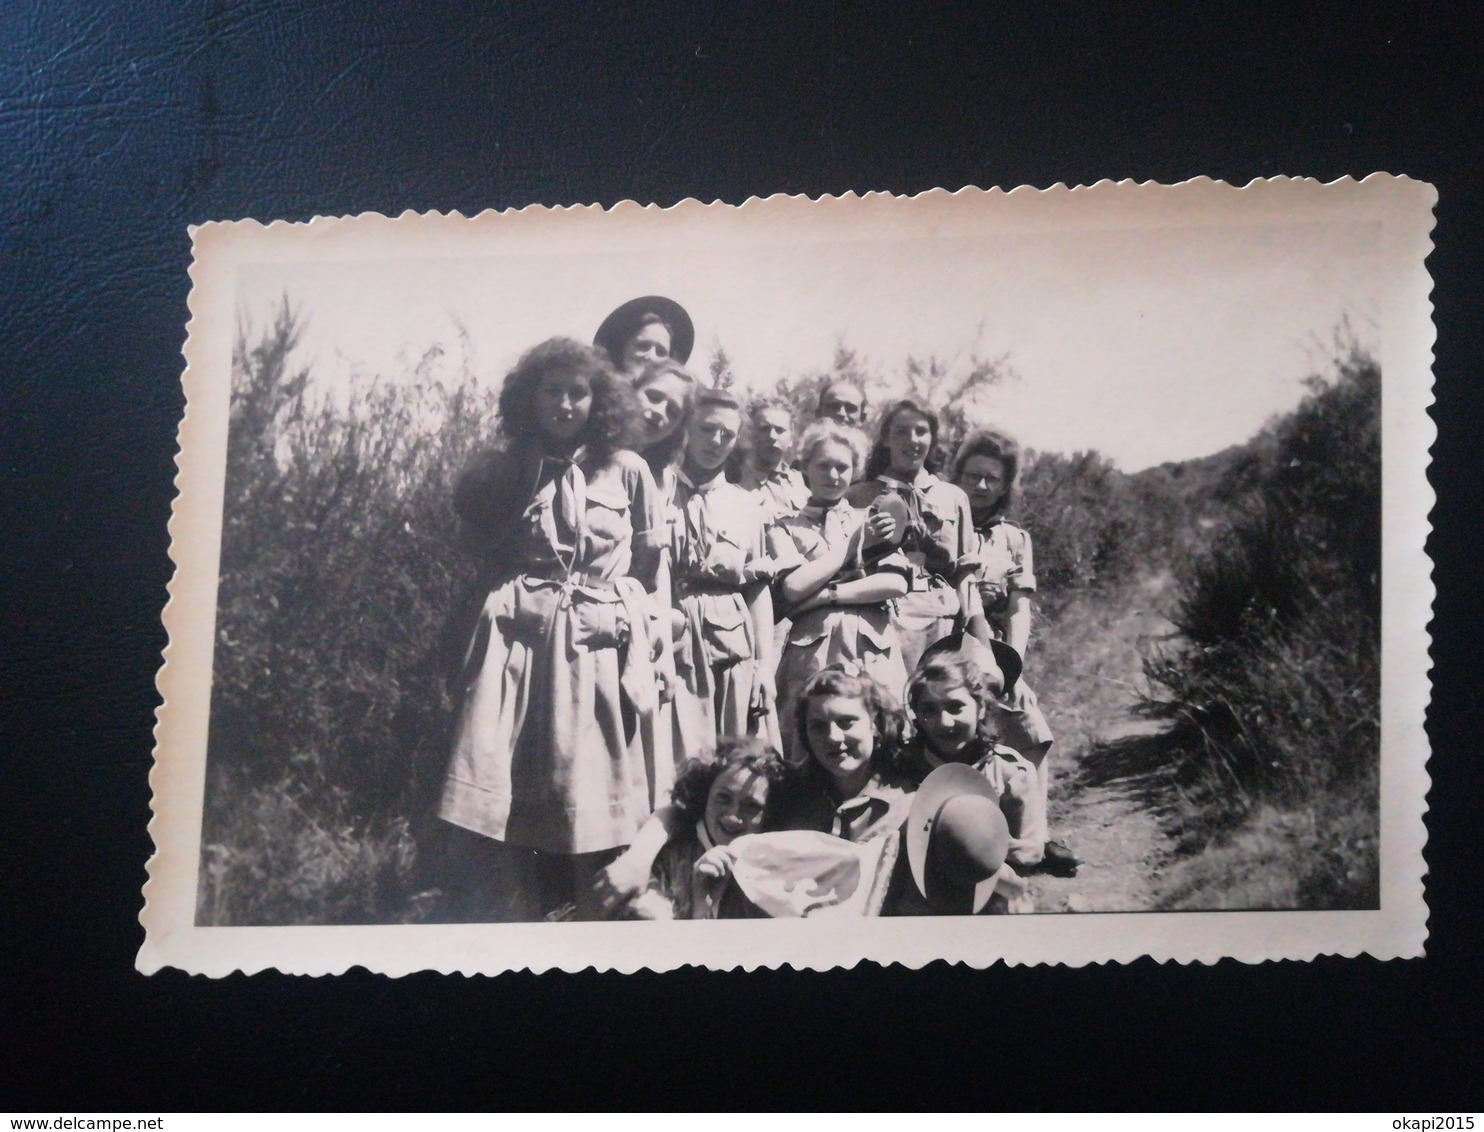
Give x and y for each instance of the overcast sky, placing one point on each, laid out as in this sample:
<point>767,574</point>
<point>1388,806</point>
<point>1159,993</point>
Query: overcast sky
<point>1147,345</point>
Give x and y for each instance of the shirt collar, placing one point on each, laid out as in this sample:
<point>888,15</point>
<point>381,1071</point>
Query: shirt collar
<point>813,510</point>
<point>701,488</point>
<point>875,802</point>
<point>984,526</point>
<point>921,482</point>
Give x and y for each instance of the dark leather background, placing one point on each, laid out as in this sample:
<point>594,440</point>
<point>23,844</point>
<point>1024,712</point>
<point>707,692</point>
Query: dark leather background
<point>121,124</point>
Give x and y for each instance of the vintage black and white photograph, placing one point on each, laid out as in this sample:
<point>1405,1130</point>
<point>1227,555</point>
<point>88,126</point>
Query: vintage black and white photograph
<point>548,577</point>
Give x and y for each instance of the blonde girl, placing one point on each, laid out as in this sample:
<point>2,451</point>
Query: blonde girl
<point>834,581</point>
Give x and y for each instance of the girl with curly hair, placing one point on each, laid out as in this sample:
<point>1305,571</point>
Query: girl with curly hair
<point>939,535</point>
<point>862,772</point>
<point>549,768</point>
<point>852,733</point>
<point>847,784</point>
<point>717,798</point>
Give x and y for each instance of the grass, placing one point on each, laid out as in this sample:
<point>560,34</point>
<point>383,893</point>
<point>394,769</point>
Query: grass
<point>287,856</point>
<point>1310,856</point>
<point>343,577</point>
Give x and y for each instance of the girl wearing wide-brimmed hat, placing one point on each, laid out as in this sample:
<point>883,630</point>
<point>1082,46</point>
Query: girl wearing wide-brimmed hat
<point>987,467</point>
<point>645,331</point>
<point>550,757</point>
<point>649,340</point>
<point>939,537</point>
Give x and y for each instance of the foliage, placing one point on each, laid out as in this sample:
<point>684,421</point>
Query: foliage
<point>338,573</point>
<point>1277,680</point>
<point>344,598</point>
<point>953,388</point>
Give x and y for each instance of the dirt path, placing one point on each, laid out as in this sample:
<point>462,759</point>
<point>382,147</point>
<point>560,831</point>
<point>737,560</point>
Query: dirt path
<point>1108,793</point>
<point>1114,829</point>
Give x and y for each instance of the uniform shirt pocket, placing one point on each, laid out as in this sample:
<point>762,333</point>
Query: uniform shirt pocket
<point>726,630</point>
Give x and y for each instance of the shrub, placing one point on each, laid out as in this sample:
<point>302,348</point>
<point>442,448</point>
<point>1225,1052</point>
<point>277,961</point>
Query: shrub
<point>339,569</point>
<point>1277,677</point>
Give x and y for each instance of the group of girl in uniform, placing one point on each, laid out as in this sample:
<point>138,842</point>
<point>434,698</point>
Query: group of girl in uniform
<point>698,630</point>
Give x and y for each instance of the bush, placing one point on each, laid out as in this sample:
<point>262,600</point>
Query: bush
<point>1277,677</point>
<point>339,568</point>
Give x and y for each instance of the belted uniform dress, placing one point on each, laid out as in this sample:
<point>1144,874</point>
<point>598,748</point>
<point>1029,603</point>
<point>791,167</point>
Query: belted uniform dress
<point>717,552</point>
<point>549,752</point>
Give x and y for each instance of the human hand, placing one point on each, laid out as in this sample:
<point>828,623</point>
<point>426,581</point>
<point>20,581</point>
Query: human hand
<point>1010,884</point>
<point>879,527</point>
<point>664,685</point>
<point>716,863</point>
<point>763,692</point>
<point>650,905</point>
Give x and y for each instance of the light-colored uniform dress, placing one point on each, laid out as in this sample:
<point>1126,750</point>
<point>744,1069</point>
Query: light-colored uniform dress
<point>1004,565</point>
<point>833,634</point>
<point>783,493</point>
<point>940,540</point>
<point>549,752</point>
<point>718,550</point>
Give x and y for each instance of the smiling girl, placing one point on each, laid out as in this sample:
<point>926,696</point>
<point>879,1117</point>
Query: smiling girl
<point>645,331</point>
<point>717,798</point>
<point>851,730</point>
<point>952,703</point>
<point>939,537</point>
<point>837,595</point>
<point>666,391</point>
<point>549,760</point>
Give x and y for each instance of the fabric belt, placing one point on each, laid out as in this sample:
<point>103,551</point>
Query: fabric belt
<point>555,573</point>
<point>688,587</point>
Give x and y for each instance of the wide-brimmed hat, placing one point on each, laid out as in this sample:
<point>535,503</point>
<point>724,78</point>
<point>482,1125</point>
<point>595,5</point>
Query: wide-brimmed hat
<point>957,839</point>
<point>626,319</point>
<point>998,656</point>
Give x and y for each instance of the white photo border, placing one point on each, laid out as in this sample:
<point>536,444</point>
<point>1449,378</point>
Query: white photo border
<point>1398,928</point>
